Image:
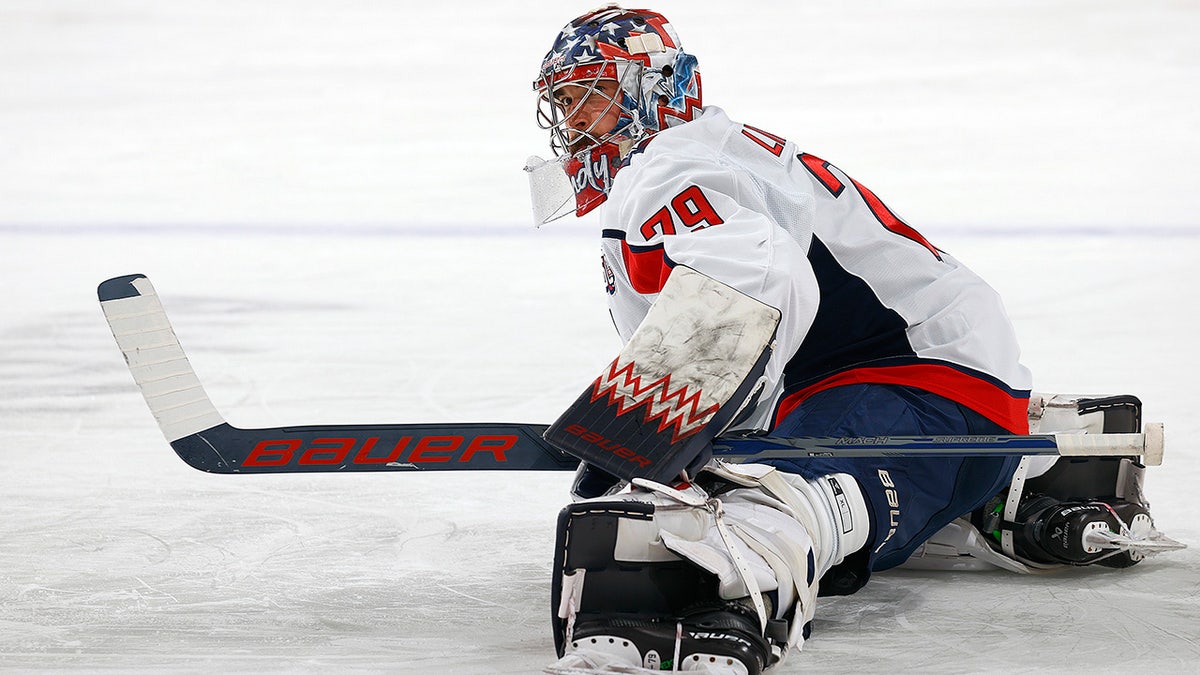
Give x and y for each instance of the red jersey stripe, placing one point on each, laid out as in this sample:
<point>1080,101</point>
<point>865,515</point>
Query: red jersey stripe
<point>648,269</point>
<point>989,400</point>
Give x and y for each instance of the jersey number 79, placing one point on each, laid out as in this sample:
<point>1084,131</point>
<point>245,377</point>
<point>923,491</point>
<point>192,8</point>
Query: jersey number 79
<point>690,208</point>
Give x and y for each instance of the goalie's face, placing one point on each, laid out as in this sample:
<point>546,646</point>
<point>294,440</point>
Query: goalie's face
<point>581,115</point>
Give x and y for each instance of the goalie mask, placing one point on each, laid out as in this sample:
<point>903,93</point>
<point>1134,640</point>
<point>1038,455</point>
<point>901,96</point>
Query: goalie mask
<point>613,78</point>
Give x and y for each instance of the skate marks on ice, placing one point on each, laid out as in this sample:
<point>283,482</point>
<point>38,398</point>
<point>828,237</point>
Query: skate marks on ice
<point>305,573</point>
<point>33,370</point>
<point>114,556</point>
<point>1094,620</point>
<point>1097,620</point>
<point>61,363</point>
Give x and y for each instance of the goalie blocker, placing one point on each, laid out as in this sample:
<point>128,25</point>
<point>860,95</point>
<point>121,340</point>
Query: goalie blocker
<point>696,360</point>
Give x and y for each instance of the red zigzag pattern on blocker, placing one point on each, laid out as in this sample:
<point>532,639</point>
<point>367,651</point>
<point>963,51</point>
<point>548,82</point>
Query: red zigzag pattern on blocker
<point>666,406</point>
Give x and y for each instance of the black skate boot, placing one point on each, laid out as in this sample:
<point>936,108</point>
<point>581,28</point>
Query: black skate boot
<point>1050,531</point>
<point>1072,532</point>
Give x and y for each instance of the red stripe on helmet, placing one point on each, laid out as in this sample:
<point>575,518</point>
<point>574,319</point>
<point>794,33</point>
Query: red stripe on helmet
<point>659,21</point>
<point>615,52</point>
<point>603,70</point>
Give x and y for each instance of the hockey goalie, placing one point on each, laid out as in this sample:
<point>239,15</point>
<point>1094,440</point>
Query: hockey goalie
<point>758,287</point>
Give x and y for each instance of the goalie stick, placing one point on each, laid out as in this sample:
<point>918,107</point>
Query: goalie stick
<point>204,440</point>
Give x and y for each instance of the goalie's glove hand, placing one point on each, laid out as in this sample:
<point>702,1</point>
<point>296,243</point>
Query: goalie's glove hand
<point>591,481</point>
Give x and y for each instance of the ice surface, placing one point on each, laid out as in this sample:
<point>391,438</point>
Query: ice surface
<point>328,197</point>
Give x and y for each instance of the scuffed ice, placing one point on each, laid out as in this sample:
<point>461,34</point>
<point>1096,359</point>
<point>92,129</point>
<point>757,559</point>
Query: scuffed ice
<point>330,201</point>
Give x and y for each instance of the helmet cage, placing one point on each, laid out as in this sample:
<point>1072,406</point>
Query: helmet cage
<point>553,116</point>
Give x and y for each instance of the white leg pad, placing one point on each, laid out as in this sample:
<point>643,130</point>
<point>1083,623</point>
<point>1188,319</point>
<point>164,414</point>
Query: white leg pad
<point>778,533</point>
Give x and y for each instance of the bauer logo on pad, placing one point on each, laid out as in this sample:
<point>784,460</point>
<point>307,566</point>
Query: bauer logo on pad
<point>686,370</point>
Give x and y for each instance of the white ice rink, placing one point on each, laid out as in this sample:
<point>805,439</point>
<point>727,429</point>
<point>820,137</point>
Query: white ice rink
<point>328,197</point>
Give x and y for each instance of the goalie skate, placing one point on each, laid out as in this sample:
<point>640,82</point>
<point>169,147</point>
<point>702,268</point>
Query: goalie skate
<point>1060,511</point>
<point>1117,534</point>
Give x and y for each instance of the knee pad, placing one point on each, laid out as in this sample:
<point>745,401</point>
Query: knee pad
<point>1075,478</point>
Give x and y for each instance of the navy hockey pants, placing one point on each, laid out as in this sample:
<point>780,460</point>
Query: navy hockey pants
<point>910,498</point>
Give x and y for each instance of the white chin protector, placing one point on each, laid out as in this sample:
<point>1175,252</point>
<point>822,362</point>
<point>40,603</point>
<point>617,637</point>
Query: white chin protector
<point>550,189</point>
<point>578,182</point>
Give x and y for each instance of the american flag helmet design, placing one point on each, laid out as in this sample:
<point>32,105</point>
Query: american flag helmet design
<point>635,56</point>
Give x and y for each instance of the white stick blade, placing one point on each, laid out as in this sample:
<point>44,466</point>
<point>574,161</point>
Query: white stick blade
<point>155,358</point>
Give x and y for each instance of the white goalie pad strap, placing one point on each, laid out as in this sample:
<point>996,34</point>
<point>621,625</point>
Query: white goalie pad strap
<point>572,597</point>
<point>698,532</point>
<point>766,479</point>
<point>747,539</point>
<point>724,563</point>
<point>742,564</point>
<point>786,588</point>
<point>832,508</point>
<point>1013,500</point>
<point>1016,490</point>
<point>789,558</point>
<point>1059,413</point>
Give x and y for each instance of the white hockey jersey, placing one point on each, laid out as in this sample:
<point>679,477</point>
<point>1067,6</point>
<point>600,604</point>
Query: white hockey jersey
<point>864,297</point>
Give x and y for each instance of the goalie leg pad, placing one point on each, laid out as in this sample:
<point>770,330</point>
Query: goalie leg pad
<point>1054,508</point>
<point>1080,478</point>
<point>1059,510</point>
<point>620,596</point>
<point>670,574</point>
